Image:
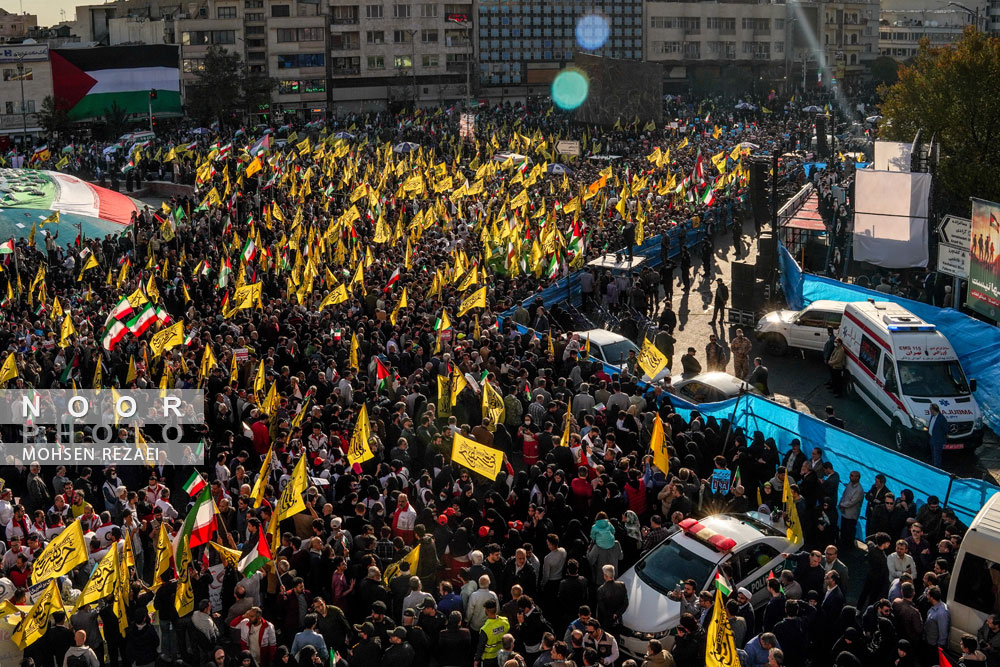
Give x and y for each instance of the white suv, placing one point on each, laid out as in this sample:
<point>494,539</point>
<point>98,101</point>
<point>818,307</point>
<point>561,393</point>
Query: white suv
<point>804,329</point>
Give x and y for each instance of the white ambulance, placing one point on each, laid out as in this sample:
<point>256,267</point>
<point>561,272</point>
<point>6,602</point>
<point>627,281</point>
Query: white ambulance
<point>899,365</point>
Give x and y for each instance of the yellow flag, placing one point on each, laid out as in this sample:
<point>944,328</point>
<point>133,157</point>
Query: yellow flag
<point>167,339</point>
<point>475,300</point>
<point>229,556</point>
<point>33,626</point>
<point>66,331</point>
<point>258,381</point>
<point>208,362</point>
<point>403,303</point>
<point>721,647</point>
<point>234,370</point>
<point>458,383</point>
<point>354,352</point>
<point>90,263</point>
<point>291,502</point>
<point>658,445</point>
<point>393,569</point>
<point>66,550</point>
<point>564,440</point>
<point>131,374</point>
<point>261,483</point>
<point>161,556</point>
<point>651,360</point>
<point>102,580</point>
<point>254,167</point>
<point>793,528</point>
<point>479,458</point>
<point>98,376</point>
<point>336,295</point>
<point>359,451</point>
<point>184,602</point>
<point>493,407</point>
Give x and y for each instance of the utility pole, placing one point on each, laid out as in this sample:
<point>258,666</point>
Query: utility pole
<point>24,110</point>
<point>413,64</point>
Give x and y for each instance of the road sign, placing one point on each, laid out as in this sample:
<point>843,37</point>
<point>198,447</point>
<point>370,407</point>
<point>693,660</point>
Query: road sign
<point>567,147</point>
<point>953,260</point>
<point>956,231</point>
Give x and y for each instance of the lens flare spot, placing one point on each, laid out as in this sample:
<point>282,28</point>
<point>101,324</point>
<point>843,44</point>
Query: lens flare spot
<point>570,88</point>
<point>592,31</point>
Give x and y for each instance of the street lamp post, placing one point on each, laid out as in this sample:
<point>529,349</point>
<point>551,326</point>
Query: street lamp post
<point>973,14</point>
<point>24,111</point>
<point>468,61</point>
<point>413,64</point>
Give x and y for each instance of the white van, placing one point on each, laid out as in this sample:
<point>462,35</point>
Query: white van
<point>803,329</point>
<point>974,592</point>
<point>899,365</point>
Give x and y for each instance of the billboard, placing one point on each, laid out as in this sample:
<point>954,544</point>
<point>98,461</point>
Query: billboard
<point>621,89</point>
<point>890,218</point>
<point>90,81</point>
<point>984,267</point>
<point>14,53</point>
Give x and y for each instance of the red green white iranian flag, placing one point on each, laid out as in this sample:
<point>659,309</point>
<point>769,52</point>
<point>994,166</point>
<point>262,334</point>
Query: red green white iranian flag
<point>708,197</point>
<point>199,525</point>
<point>194,484</point>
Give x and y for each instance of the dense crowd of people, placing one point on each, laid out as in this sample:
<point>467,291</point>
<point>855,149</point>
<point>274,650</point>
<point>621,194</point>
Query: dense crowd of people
<point>406,558</point>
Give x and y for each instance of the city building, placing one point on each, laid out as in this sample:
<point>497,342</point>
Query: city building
<point>16,26</point>
<point>833,42</point>
<point>523,44</point>
<point>385,55</point>
<point>903,23</point>
<point>709,47</point>
<point>25,75</point>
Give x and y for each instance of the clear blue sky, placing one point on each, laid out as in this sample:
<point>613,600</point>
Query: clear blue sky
<point>47,10</point>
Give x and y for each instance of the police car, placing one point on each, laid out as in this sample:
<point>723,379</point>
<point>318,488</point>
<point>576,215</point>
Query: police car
<point>748,545</point>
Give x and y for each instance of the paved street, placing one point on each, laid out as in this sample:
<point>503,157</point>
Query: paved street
<point>798,379</point>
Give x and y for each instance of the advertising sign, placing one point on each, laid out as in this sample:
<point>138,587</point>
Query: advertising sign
<point>984,266</point>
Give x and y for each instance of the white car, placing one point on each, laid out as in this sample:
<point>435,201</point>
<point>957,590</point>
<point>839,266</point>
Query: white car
<point>750,545</point>
<point>710,387</point>
<point>613,349</point>
<point>804,329</point>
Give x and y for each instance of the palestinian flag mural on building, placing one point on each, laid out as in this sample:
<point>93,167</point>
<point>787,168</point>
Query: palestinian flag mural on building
<point>90,80</point>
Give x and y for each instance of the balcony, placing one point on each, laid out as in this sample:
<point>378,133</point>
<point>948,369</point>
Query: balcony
<point>457,68</point>
<point>344,20</point>
<point>457,42</point>
<point>345,71</point>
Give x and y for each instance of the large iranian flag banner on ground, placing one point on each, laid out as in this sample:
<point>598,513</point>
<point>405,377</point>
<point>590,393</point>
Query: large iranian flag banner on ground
<point>90,81</point>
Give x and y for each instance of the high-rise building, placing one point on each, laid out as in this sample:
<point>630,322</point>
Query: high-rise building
<point>833,41</point>
<point>903,23</point>
<point>727,46</point>
<point>523,44</point>
<point>25,80</point>
<point>16,26</point>
<point>388,54</point>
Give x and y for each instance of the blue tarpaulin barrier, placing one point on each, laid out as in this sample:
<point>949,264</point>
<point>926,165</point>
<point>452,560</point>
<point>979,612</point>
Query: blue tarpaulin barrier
<point>847,452</point>
<point>976,343</point>
<point>791,278</point>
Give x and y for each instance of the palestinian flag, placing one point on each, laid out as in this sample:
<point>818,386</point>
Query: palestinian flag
<point>262,146</point>
<point>381,374</point>
<point>142,321</point>
<point>255,554</point>
<point>249,250</point>
<point>90,81</point>
<point>553,269</point>
<point>199,523</point>
<point>194,484</point>
<point>7,247</point>
<point>225,270</point>
<point>113,335</point>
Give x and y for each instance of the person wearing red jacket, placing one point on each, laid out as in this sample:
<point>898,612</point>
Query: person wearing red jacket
<point>404,519</point>
<point>256,635</point>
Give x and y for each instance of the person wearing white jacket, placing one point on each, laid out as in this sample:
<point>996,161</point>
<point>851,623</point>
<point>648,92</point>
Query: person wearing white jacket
<point>476,610</point>
<point>900,562</point>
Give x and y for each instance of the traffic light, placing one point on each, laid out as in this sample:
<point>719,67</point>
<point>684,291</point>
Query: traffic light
<point>152,120</point>
<point>152,94</point>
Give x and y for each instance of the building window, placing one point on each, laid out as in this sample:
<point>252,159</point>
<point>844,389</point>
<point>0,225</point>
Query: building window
<point>286,35</point>
<point>430,60</point>
<point>254,16</point>
<point>779,47</point>
<point>428,10</point>
<point>757,25</point>
<point>289,87</point>
<point>348,65</point>
<point>9,106</point>
<point>401,36</point>
<point>255,43</point>
<point>190,65</point>
<point>226,12</point>
<point>11,75</point>
<point>280,11</point>
<point>207,37</point>
<point>779,24</point>
<point>314,86</point>
<point>254,30</point>
<point>344,40</point>
<point>725,26</point>
<point>401,11</point>
<point>376,62</point>
<point>375,37</point>
<point>402,62</point>
<point>373,11</point>
<point>429,36</point>
<point>300,34</point>
<point>253,4</point>
<point>296,60</point>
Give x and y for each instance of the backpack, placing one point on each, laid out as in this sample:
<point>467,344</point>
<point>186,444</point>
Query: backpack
<point>77,660</point>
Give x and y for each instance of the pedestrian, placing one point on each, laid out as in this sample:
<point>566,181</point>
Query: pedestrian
<point>686,269</point>
<point>758,377</point>
<point>741,346</point>
<point>689,364</point>
<point>837,363</point>
<point>715,354</point>
<point>721,299</point>
<point>937,431</point>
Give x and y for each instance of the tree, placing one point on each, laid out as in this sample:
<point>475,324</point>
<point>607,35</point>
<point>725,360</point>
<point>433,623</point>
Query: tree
<point>885,71</point>
<point>54,116</point>
<point>949,93</point>
<point>225,87</point>
<point>115,120</point>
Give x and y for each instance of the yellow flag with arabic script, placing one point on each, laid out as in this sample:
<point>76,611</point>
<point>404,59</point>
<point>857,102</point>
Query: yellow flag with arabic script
<point>476,457</point>
<point>66,550</point>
